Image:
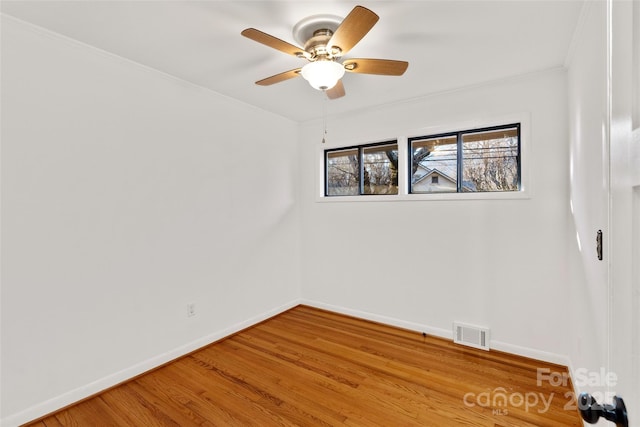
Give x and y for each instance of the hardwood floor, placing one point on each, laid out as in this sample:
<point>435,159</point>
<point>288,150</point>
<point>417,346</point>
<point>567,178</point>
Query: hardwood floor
<point>310,367</point>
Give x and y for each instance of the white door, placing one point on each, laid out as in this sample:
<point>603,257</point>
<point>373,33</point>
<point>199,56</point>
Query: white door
<point>624,206</point>
<point>621,222</point>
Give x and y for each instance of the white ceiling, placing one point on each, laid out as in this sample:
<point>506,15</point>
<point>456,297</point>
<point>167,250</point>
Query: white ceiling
<point>449,44</point>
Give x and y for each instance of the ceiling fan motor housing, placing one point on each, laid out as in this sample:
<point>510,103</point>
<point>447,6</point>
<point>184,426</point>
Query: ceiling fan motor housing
<point>314,32</point>
<point>317,45</point>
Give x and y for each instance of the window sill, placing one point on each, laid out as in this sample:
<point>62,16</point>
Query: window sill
<point>511,195</point>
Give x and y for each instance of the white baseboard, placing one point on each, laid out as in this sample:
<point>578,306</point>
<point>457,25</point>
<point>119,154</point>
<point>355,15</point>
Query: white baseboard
<point>412,326</point>
<point>544,356</point>
<point>102,384</point>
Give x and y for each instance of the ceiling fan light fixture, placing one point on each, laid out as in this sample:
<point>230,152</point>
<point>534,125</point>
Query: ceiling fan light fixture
<point>323,74</point>
<point>326,38</point>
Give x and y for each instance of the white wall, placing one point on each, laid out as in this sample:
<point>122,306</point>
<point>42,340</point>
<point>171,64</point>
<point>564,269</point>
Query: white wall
<point>127,194</point>
<point>423,264</point>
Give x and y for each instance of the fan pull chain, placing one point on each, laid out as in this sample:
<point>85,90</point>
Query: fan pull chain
<point>324,120</point>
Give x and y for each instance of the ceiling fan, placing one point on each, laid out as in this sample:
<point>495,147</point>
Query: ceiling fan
<point>326,38</point>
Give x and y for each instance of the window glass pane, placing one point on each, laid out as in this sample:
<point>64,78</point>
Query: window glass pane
<point>380,169</point>
<point>434,163</point>
<point>490,160</point>
<point>342,173</point>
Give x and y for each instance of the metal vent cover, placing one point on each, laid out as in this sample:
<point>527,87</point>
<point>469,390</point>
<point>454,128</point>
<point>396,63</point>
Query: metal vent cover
<point>470,335</point>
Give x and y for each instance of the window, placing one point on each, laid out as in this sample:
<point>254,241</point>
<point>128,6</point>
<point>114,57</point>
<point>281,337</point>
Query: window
<point>483,163</point>
<point>362,170</point>
<point>343,176</point>
<point>432,158</point>
<point>479,160</point>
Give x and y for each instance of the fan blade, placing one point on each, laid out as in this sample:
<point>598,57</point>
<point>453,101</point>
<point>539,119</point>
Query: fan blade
<point>352,29</point>
<point>335,92</point>
<point>385,67</point>
<point>274,42</point>
<point>279,77</point>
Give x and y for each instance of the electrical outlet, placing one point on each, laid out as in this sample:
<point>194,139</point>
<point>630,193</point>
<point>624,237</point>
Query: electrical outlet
<point>191,310</point>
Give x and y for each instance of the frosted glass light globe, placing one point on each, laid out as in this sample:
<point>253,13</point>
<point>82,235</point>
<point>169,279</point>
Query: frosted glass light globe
<point>323,75</point>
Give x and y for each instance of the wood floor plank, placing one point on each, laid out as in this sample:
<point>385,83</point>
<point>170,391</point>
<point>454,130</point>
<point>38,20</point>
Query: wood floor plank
<point>206,395</point>
<point>51,421</point>
<point>312,367</point>
<point>273,381</point>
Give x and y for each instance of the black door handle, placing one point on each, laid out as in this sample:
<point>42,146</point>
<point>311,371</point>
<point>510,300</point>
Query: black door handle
<point>591,411</point>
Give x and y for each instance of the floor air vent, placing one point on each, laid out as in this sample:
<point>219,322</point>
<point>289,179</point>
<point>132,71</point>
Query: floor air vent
<point>470,335</point>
